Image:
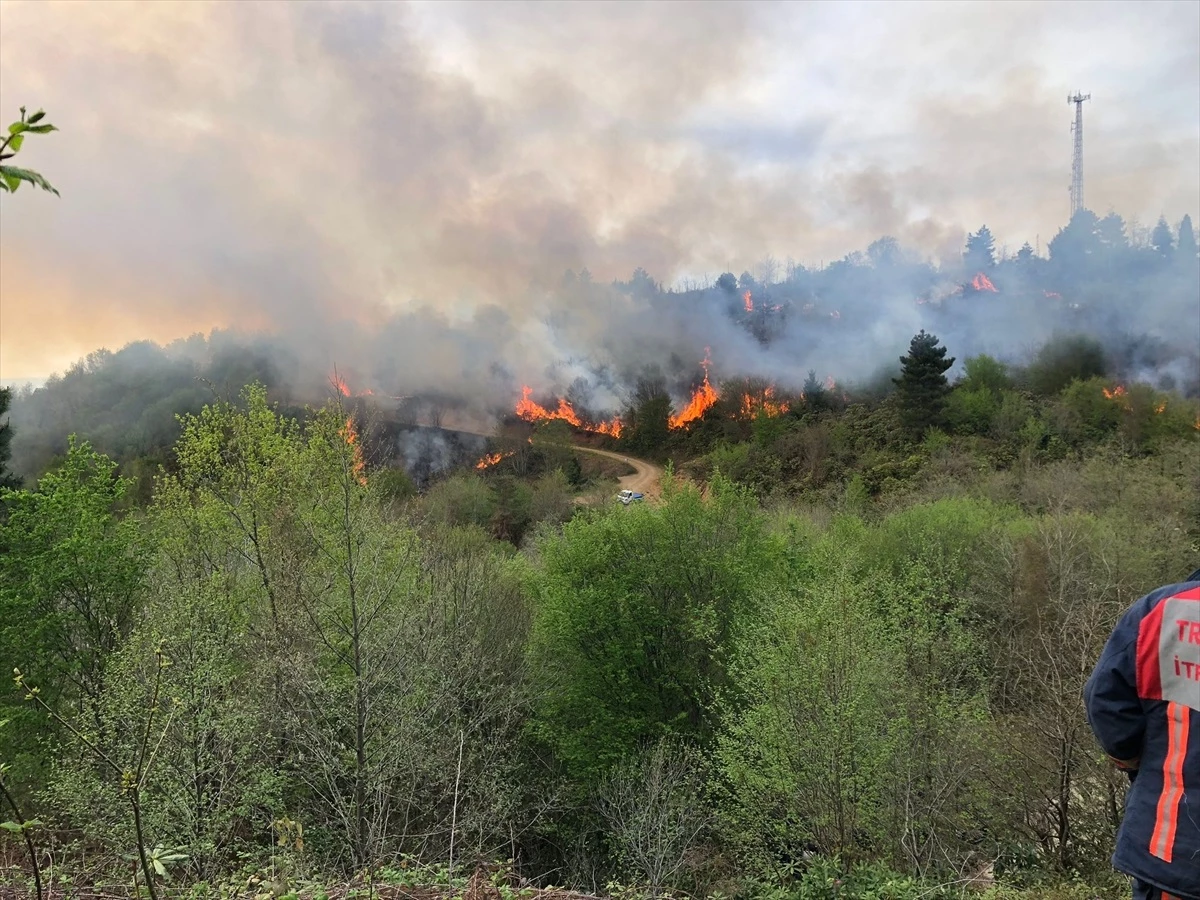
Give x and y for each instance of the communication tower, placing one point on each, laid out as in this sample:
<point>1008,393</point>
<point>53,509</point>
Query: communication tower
<point>1077,159</point>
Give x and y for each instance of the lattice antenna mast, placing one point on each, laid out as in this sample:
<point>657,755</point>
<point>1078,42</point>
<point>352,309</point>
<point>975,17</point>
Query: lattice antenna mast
<point>1077,159</point>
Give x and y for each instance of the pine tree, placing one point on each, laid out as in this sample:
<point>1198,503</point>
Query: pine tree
<point>7,479</point>
<point>922,385</point>
<point>1186,247</point>
<point>981,251</point>
<point>814,392</point>
<point>1025,254</point>
<point>1162,240</point>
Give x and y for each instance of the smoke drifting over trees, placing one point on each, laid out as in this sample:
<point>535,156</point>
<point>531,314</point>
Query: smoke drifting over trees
<point>600,345</point>
<point>398,191</point>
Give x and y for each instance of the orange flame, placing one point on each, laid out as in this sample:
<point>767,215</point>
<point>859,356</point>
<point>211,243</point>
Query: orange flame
<point>613,428</point>
<point>531,411</point>
<point>1160,408</point>
<point>752,405</point>
<point>491,459</point>
<point>340,384</point>
<point>1116,393</point>
<point>830,384</point>
<point>702,399</point>
<point>982,283</point>
<point>748,302</point>
<point>349,434</point>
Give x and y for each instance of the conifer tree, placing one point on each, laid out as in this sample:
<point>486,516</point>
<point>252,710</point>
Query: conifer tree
<point>7,479</point>
<point>1186,248</point>
<point>922,385</point>
<point>981,251</point>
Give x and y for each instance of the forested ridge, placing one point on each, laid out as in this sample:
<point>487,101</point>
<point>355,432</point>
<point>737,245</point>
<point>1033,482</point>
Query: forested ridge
<point>841,655</point>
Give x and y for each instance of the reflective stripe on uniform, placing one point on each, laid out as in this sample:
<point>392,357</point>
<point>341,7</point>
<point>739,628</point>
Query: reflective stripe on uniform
<point>1162,841</point>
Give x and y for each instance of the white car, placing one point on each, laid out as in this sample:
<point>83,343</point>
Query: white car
<point>628,497</point>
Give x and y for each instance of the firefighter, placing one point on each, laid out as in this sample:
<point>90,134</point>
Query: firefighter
<point>1143,704</point>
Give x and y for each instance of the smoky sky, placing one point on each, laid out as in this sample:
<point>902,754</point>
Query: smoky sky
<point>402,186</point>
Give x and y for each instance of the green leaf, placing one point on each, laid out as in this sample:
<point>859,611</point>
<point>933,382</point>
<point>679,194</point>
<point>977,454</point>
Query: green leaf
<point>15,142</point>
<point>36,116</point>
<point>32,823</point>
<point>42,129</point>
<point>17,127</point>
<point>14,827</point>
<point>13,176</point>
<point>10,182</point>
<point>159,868</point>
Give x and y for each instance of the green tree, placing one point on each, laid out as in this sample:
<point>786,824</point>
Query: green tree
<point>1186,249</point>
<point>1062,360</point>
<point>922,387</point>
<point>7,478</point>
<point>71,575</point>
<point>1162,240</point>
<point>649,415</point>
<point>12,176</point>
<point>980,254</point>
<point>638,616</point>
<point>814,393</point>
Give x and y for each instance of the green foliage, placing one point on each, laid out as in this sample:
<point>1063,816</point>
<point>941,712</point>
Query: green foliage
<point>972,411</point>
<point>71,575</point>
<point>853,704</point>
<point>865,687</point>
<point>981,251</point>
<point>647,420</point>
<point>7,478</point>
<point>637,619</point>
<point>983,372</point>
<point>11,176</point>
<point>1063,360</point>
<point>922,387</point>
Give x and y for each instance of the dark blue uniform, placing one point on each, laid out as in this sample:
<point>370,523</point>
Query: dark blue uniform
<point>1143,703</point>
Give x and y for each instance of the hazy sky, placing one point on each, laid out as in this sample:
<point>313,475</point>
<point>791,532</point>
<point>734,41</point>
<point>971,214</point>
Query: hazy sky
<point>261,164</point>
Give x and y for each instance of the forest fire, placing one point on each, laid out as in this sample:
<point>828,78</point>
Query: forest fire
<point>702,399</point>
<point>349,434</point>
<point>340,383</point>
<point>1116,393</point>
<point>764,403</point>
<point>534,412</point>
<point>748,301</point>
<point>982,283</point>
<point>491,459</point>
<point>531,411</point>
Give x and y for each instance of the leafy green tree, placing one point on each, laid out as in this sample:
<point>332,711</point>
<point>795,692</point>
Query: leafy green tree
<point>7,478</point>
<point>980,254</point>
<point>71,577</point>
<point>922,387</point>
<point>986,373</point>
<point>12,176</point>
<point>639,612</point>
<point>649,415</point>
<point>1062,360</point>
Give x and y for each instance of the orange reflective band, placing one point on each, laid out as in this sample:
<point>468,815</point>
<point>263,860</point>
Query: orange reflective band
<point>1162,842</point>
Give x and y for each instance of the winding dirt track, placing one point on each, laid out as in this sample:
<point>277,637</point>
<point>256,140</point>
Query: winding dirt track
<point>645,480</point>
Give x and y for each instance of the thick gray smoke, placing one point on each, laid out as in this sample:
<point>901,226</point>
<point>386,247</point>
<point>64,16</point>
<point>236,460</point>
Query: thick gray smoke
<point>397,191</point>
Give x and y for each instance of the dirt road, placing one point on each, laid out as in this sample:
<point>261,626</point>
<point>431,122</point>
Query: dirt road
<point>645,480</point>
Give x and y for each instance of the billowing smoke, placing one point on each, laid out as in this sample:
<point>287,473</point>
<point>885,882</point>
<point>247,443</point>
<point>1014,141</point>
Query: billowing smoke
<point>398,191</point>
